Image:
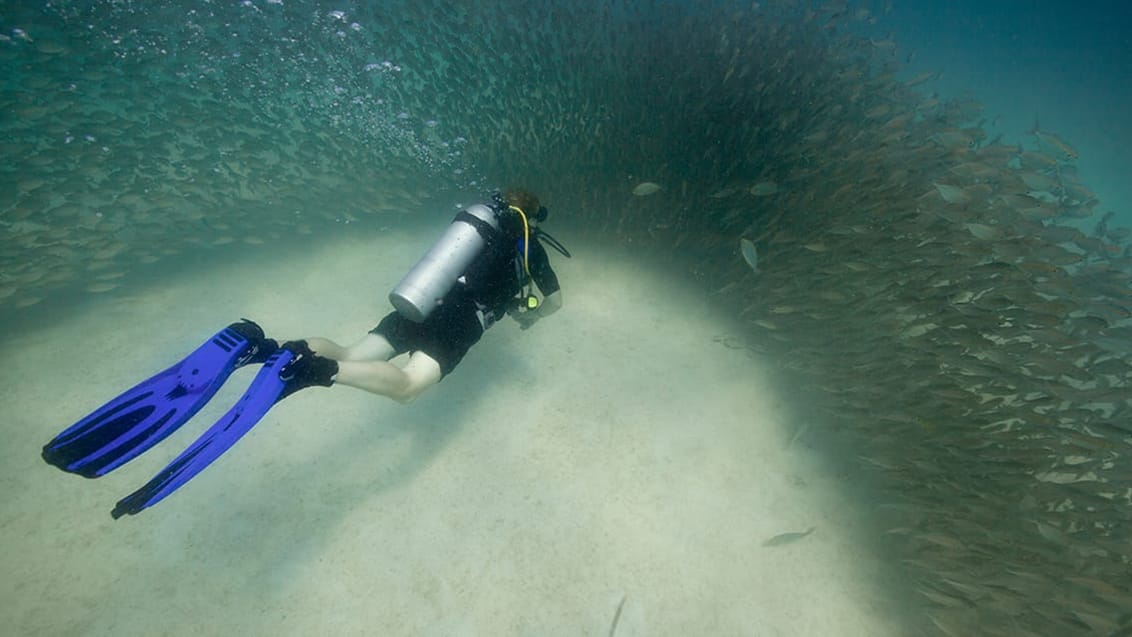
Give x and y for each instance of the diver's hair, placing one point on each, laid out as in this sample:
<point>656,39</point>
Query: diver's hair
<point>524,199</point>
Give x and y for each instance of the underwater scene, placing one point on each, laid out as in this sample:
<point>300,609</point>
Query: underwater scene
<point>845,342</point>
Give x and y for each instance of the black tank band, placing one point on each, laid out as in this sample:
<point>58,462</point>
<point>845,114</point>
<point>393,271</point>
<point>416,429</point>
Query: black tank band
<point>482,227</point>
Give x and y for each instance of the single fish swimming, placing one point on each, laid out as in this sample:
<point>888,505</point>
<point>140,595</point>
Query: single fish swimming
<point>787,538</point>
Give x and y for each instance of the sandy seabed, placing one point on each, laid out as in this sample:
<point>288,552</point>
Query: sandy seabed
<point>614,470</point>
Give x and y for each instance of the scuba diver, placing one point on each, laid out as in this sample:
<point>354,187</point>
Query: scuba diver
<point>485,265</point>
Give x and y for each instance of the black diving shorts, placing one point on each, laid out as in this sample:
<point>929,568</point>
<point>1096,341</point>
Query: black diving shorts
<point>446,335</point>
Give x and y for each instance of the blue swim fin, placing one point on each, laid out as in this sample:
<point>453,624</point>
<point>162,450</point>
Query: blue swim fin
<point>293,367</point>
<point>145,415</point>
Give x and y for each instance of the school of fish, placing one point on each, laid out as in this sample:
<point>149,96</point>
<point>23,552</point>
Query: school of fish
<point>955,308</point>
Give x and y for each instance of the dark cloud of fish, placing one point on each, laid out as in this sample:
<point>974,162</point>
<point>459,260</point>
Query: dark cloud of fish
<point>955,306</point>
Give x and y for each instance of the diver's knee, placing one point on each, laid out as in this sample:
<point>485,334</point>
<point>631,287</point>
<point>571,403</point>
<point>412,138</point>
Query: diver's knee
<point>422,371</point>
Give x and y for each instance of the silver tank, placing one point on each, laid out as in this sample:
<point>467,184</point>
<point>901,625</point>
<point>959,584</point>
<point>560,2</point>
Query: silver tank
<point>422,289</point>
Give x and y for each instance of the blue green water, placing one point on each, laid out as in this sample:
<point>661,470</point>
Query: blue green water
<point>1064,66</point>
<point>922,299</point>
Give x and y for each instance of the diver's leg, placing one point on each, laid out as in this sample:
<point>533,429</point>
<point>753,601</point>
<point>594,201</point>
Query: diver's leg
<point>402,384</point>
<point>372,347</point>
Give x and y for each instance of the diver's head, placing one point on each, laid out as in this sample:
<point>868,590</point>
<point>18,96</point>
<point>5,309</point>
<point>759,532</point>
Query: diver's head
<point>526,201</point>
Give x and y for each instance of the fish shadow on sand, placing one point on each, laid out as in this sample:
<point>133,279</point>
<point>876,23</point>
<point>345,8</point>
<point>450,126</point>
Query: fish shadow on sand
<point>788,538</point>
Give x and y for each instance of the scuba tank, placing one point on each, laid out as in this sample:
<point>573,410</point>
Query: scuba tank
<point>423,288</point>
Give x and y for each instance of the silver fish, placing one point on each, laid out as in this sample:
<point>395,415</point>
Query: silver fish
<point>646,188</point>
<point>764,188</point>
<point>750,254</point>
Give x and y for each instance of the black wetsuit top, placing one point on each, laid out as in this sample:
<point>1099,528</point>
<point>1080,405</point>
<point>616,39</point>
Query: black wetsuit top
<point>489,287</point>
<point>495,278</point>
